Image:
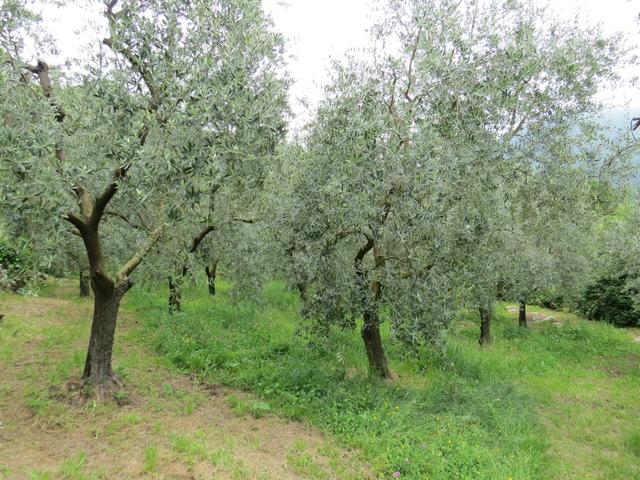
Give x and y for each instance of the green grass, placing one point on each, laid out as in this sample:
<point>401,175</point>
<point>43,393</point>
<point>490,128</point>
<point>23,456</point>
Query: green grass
<point>150,458</point>
<point>303,463</point>
<point>504,412</point>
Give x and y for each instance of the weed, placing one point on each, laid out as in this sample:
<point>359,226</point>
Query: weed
<point>150,458</point>
<point>254,408</point>
<point>121,397</point>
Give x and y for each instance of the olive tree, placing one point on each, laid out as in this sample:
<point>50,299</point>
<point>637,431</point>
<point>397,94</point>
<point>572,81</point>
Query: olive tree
<point>144,122</point>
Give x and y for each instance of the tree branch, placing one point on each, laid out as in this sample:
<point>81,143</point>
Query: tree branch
<point>41,70</point>
<point>620,152</point>
<point>407,91</point>
<point>515,129</point>
<point>124,218</point>
<point>84,201</point>
<point>105,197</point>
<point>200,237</point>
<point>361,253</point>
<point>245,220</point>
<point>134,261</point>
<point>135,61</point>
<point>332,242</point>
<point>76,221</point>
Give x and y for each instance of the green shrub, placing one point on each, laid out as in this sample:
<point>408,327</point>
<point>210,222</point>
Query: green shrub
<point>547,298</point>
<point>610,299</point>
<point>10,258</point>
<point>16,270</point>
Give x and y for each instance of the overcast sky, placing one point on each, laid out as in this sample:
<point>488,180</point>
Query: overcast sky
<point>318,30</point>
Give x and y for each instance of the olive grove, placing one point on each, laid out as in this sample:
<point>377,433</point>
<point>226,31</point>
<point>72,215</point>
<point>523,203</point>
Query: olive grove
<point>450,165</point>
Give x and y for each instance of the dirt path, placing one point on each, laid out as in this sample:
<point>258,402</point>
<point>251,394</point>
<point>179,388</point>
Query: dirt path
<point>535,317</point>
<point>168,425</point>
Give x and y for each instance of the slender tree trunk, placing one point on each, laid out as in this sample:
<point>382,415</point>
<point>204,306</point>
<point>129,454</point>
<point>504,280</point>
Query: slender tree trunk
<point>522,312</point>
<point>97,368</point>
<point>485,325</point>
<point>373,343</point>
<point>175,295</point>
<point>371,294</point>
<point>85,283</point>
<point>211,277</point>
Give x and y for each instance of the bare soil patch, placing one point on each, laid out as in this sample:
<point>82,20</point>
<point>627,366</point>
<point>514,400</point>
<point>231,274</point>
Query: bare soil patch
<point>535,317</point>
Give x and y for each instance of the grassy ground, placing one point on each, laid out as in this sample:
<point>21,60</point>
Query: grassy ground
<point>164,424</point>
<point>559,400</point>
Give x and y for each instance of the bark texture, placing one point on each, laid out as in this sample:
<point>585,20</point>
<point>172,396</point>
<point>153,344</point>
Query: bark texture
<point>97,367</point>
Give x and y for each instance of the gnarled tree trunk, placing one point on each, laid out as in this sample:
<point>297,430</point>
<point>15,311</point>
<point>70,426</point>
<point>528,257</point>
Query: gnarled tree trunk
<point>108,291</point>
<point>97,367</point>
<point>485,325</point>
<point>522,312</point>
<point>175,289</point>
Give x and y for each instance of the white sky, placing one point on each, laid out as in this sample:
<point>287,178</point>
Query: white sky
<point>318,30</point>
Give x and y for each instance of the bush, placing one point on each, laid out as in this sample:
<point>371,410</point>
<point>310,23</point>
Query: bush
<point>610,299</point>
<point>547,298</point>
<point>10,259</point>
<point>15,268</point>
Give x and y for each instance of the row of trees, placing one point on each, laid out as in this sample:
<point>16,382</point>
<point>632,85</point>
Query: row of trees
<point>453,164</point>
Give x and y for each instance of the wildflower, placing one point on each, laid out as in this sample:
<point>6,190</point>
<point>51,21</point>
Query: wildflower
<point>395,474</point>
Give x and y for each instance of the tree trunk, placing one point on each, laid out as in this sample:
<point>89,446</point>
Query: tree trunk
<point>371,294</point>
<point>373,344</point>
<point>522,313</point>
<point>211,277</point>
<point>485,325</point>
<point>97,368</point>
<point>175,295</point>
<point>85,283</point>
